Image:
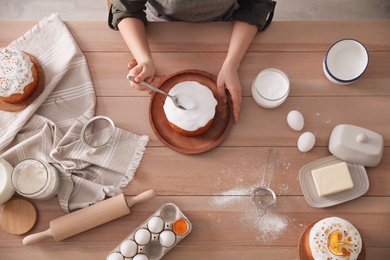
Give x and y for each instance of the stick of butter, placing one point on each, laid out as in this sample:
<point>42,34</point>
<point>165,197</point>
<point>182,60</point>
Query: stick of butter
<point>332,179</point>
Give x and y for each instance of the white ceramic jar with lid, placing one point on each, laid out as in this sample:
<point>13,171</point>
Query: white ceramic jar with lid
<point>6,188</point>
<point>36,179</point>
<point>270,88</point>
<point>356,144</point>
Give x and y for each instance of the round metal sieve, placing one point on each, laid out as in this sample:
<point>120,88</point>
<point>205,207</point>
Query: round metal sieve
<point>98,131</point>
<point>263,197</point>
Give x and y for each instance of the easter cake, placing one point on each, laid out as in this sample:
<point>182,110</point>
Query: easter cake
<point>331,238</point>
<point>21,79</point>
<point>198,119</point>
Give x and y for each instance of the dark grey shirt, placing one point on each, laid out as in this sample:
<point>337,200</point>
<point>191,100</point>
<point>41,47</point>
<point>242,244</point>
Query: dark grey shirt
<point>250,11</point>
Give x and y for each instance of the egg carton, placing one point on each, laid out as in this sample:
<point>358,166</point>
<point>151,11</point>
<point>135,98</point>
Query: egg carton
<point>155,236</point>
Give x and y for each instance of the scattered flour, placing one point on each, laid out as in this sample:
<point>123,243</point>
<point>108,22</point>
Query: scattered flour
<point>267,227</point>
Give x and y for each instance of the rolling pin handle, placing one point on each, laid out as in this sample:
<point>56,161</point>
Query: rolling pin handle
<point>144,196</point>
<point>38,237</point>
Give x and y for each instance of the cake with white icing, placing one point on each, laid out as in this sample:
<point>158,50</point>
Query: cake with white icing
<point>332,238</point>
<point>18,75</point>
<point>199,115</point>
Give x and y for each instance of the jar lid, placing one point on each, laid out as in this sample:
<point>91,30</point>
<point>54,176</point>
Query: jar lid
<point>18,216</point>
<point>355,144</point>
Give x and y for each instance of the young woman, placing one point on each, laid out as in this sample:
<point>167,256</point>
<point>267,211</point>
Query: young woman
<point>131,16</point>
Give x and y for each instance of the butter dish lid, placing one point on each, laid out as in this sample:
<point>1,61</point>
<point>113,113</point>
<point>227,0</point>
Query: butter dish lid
<point>355,144</point>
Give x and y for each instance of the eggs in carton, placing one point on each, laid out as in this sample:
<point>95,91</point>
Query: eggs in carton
<point>155,237</point>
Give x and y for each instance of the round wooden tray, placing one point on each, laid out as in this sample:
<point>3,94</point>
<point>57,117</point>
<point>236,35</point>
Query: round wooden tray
<point>189,145</point>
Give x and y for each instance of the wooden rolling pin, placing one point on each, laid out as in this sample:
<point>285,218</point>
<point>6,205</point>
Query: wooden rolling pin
<point>87,218</point>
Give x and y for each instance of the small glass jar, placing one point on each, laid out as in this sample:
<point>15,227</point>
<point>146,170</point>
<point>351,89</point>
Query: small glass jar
<point>270,88</point>
<point>36,179</point>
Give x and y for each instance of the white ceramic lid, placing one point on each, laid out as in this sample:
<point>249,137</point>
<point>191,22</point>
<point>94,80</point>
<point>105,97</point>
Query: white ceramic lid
<point>355,144</point>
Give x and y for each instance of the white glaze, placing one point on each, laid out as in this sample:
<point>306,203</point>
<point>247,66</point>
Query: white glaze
<point>200,115</point>
<point>318,239</point>
<point>15,71</point>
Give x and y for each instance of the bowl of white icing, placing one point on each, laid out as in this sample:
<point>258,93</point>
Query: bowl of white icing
<point>270,88</point>
<point>345,61</point>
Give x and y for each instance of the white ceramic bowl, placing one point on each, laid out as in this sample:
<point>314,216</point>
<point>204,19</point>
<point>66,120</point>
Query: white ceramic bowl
<point>345,61</point>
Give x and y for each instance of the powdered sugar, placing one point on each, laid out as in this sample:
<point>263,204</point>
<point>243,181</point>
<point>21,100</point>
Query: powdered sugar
<point>267,227</point>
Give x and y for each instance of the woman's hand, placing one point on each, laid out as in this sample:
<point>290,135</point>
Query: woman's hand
<point>242,37</point>
<point>141,72</point>
<point>134,34</point>
<point>228,79</point>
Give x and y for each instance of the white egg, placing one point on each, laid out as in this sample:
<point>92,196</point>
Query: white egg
<point>295,120</point>
<point>141,257</point>
<point>306,142</point>
<point>115,256</point>
<point>128,248</point>
<point>156,224</point>
<point>142,236</point>
<point>167,238</point>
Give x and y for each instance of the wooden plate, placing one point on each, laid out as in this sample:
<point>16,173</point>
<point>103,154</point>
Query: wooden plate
<point>189,145</point>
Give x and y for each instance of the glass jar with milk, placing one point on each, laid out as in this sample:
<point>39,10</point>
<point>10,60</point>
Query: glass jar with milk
<point>270,88</point>
<point>36,179</point>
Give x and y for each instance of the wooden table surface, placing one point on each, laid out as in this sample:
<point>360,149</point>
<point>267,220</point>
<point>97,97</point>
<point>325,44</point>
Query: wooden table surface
<point>213,188</point>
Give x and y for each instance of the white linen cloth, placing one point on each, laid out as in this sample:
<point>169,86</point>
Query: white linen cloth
<point>49,128</point>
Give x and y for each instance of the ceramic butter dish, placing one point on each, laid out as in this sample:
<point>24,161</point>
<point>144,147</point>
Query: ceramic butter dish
<point>356,145</point>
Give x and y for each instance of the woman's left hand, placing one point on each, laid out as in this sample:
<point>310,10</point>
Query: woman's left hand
<point>228,79</point>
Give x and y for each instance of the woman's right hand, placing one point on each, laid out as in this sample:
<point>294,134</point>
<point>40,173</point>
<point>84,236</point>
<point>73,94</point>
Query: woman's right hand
<point>141,72</point>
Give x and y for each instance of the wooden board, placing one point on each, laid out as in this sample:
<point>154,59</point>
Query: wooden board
<point>197,144</point>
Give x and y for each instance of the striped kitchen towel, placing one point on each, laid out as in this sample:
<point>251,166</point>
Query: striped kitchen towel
<point>49,128</point>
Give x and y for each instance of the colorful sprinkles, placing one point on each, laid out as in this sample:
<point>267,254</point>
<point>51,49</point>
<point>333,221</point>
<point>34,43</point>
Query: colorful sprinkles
<point>15,71</point>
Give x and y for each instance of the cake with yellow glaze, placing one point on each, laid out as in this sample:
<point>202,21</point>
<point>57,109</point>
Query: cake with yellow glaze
<point>196,120</point>
<point>331,238</point>
<point>18,75</point>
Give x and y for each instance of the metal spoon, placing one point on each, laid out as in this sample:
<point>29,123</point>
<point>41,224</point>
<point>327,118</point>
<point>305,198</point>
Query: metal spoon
<point>174,98</point>
<point>263,197</point>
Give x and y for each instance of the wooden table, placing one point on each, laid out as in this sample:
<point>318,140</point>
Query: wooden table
<point>213,188</point>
